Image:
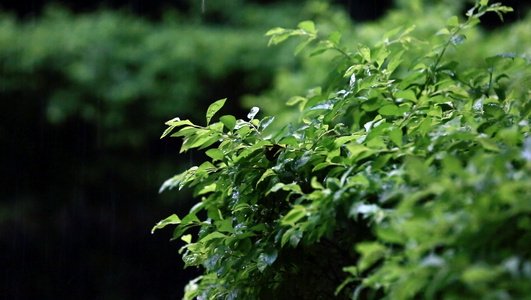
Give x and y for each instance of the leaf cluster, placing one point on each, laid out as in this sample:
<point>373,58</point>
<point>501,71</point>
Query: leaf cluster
<point>410,184</point>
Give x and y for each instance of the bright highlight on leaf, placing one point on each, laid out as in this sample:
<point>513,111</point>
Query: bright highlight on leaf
<point>253,113</point>
<point>173,220</point>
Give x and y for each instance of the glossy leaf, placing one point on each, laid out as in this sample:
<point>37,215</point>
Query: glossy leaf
<point>229,121</point>
<point>214,108</point>
<point>173,219</point>
<point>308,26</point>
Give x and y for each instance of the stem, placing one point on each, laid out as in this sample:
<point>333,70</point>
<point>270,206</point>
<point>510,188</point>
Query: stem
<point>443,51</point>
<point>491,71</point>
<point>342,52</point>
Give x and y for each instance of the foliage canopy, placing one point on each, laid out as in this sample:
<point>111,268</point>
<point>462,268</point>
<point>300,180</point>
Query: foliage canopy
<point>406,178</point>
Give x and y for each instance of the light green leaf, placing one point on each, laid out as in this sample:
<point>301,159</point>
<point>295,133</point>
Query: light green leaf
<point>321,48</point>
<point>335,37</point>
<point>395,135</point>
<point>187,238</point>
<point>307,26</point>
<point>489,145</point>
<point>215,154</point>
<point>225,226</point>
<point>296,99</point>
<point>274,31</point>
<point>480,274</point>
<point>395,61</point>
<point>365,52</point>
<point>280,37</point>
<point>443,31</point>
<point>355,149</point>
<point>406,94</point>
<point>289,141</point>
<point>302,45</point>
<point>212,236</point>
<point>260,145</point>
<point>390,235</point>
<point>425,125</point>
<point>187,131</point>
<point>178,122</point>
<point>315,184</point>
<point>175,123</point>
<point>199,140</point>
<point>370,252</point>
<point>392,32</point>
<point>213,139</point>
<point>295,214</point>
<point>293,187</point>
<point>321,166</point>
<point>391,110</point>
<point>214,108</point>
<point>229,121</point>
<point>381,55</point>
<point>340,141</point>
<point>459,92</point>
<point>452,22</point>
<point>189,219</point>
<point>435,111</point>
<point>173,219</point>
<point>207,189</point>
<point>167,131</point>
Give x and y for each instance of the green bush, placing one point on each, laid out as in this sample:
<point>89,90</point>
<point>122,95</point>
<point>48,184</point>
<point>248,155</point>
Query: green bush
<point>407,177</point>
<point>426,17</point>
<point>109,69</point>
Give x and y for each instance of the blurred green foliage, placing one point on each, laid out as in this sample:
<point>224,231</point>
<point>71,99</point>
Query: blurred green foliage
<point>111,69</point>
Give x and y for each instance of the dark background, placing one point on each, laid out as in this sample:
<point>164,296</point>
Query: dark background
<point>359,10</point>
<point>75,214</point>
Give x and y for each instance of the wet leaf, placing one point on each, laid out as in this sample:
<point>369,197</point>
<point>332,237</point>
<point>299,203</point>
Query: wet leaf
<point>214,108</point>
<point>173,219</point>
<point>458,39</point>
<point>229,121</point>
<point>365,52</point>
<point>294,215</point>
<point>266,259</point>
<point>253,113</point>
<point>308,26</point>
